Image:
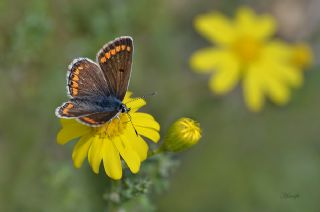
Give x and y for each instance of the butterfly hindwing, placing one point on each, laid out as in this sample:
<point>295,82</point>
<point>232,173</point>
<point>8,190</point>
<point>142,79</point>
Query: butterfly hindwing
<point>74,108</point>
<point>115,60</point>
<point>93,111</point>
<point>85,78</point>
<point>97,119</point>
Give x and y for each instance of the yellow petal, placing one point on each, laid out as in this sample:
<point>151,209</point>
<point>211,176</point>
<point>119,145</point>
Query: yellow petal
<point>80,151</point>
<point>277,91</point>
<point>95,154</point>
<point>137,144</point>
<point>206,60</point>
<point>128,154</point>
<point>265,27</point>
<point>253,90</point>
<point>145,120</point>
<point>142,116</point>
<point>127,96</point>
<point>226,77</point>
<point>258,27</point>
<point>288,74</point>
<point>71,129</point>
<point>276,58</point>
<point>150,133</point>
<point>215,27</point>
<point>111,160</point>
<point>134,104</point>
<point>276,51</point>
<point>245,22</point>
<point>72,122</point>
<point>245,19</point>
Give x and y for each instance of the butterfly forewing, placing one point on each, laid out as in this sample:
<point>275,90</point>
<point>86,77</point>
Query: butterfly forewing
<point>115,60</point>
<point>85,78</point>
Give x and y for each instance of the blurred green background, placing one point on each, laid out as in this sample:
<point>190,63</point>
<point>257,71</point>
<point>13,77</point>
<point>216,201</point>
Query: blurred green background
<point>245,161</point>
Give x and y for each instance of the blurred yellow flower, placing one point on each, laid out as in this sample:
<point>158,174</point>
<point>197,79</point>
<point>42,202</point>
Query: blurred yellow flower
<point>302,55</point>
<point>112,140</point>
<point>244,52</point>
<point>181,135</point>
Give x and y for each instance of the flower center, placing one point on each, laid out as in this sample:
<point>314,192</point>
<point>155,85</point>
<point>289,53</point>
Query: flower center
<point>247,49</point>
<point>113,128</point>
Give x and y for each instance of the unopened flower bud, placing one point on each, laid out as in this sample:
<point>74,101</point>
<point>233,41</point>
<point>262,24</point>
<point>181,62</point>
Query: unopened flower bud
<point>181,135</point>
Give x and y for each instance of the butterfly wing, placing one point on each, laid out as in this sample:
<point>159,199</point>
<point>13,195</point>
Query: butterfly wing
<point>115,59</point>
<point>85,79</point>
<point>86,84</point>
<point>97,119</point>
<point>86,111</point>
<point>76,108</point>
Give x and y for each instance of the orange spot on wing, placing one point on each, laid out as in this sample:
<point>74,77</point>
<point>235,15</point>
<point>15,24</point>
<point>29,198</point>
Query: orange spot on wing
<point>113,51</point>
<point>128,48</point>
<point>118,48</point>
<point>67,108</point>
<point>75,85</point>
<point>76,72</point>
<point>123,47</point>
<point>74,91</point>
<point>103,59</point>
<point>107,55</point>
<point>80,67</point>
<point>75,78</point>
<point>89,120</point>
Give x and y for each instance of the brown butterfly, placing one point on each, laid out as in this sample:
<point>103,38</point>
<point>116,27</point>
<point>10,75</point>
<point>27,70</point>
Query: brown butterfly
<point>96,89</point>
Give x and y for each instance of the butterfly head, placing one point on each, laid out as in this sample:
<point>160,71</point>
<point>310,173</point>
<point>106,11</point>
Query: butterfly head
<point>123,108</point>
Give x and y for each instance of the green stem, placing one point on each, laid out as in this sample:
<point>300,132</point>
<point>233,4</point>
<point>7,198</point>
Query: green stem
<point>156,151</point>
<point>112,204</point>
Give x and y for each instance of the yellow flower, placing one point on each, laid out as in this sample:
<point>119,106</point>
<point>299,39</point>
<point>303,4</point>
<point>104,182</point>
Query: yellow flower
<point>181,135</point>
<point>112,140</point>
<point>244,52</point>
<point>302,55</point>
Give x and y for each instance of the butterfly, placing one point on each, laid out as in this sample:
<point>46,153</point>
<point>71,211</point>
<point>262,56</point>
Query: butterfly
<point>97,89</point>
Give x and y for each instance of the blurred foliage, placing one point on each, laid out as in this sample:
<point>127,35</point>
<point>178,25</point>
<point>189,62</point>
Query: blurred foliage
<point>132,193</point>
<point>245,161</point>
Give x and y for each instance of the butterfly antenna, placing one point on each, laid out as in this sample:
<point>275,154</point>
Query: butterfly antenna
<point>142,97</point>
<point>135,130</point>
<point>150,94</point>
